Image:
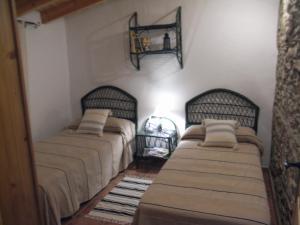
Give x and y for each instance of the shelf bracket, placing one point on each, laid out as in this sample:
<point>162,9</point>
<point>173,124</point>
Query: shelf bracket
<point>134,58</point>
<point>179,37</point>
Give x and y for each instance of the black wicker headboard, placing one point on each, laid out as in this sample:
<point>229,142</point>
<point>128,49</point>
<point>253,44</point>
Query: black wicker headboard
<point>122,104</point>
<point>222,104</point>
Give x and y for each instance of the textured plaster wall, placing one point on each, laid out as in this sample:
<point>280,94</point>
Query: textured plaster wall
<point>286,117</point>
<point>45,60</point>
<point>226,44</point>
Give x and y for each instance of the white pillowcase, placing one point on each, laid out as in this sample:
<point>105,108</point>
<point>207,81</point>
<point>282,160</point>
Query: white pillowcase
<point>93,121</point>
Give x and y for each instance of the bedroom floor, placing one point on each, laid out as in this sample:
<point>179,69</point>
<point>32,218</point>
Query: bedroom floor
<point>144,171</point>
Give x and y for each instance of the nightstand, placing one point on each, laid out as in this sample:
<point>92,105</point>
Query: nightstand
<point>157,143</point>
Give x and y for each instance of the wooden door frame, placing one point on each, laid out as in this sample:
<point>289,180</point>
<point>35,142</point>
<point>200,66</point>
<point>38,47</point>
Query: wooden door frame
<point>18,185</point>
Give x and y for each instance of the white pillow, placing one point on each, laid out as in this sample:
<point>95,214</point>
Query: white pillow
<point>93,121</point>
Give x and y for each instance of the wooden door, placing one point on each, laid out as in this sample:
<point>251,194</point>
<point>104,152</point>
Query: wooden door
<point>18,196</point>
<point>296,216</point>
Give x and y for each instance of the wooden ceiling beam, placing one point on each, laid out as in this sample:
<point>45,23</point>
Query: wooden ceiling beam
<point>52,9</point>
<point>66,7</point>
<point>24,6</point>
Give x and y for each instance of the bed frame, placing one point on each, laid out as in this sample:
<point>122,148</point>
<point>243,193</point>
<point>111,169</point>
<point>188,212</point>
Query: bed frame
<point>222,104</point>
<point>122,104</point>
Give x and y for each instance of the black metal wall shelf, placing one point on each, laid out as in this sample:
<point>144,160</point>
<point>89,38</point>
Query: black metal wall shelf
<point>153,52</point>
<point>153,27</point>
<point>135,32</point>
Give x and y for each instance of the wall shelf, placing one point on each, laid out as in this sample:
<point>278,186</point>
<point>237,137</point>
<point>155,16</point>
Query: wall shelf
<point>137,32</point>
<point>155,52</point>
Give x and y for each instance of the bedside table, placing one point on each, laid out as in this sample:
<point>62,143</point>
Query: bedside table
<point>157,140</point>
<point>155,145</point>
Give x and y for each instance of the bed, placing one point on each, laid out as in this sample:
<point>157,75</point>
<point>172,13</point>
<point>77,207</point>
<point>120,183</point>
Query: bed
<point>72,167</point>
<point>211,185</point>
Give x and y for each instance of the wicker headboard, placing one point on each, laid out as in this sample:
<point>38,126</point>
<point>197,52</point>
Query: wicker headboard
<point>222,104</point>
<point>122,104</point>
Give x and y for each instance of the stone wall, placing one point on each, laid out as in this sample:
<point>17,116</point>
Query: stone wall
<point>286,114</point>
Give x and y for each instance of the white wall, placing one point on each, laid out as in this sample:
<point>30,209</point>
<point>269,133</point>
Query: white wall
<point>45,62</point>
<point>227,44</point>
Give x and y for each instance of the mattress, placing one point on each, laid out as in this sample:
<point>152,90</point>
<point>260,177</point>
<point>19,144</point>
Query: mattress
<point>72,168</point>
<point>208,186</point>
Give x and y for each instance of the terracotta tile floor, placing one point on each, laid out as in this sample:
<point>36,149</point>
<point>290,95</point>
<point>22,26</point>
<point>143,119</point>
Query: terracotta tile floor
<point>145,171</point>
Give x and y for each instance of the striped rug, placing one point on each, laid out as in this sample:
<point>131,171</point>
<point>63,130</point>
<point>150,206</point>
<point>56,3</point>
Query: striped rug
<point>120,204</point>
